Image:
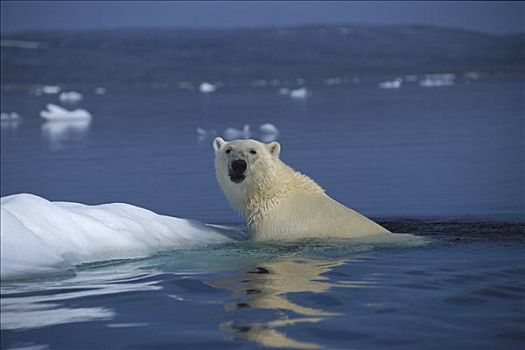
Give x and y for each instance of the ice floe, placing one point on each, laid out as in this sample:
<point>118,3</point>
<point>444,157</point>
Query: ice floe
<point>268,132</point>
<point>391,84</point>
<point>10,121</point>
<point>39,236</point>
<point>300,93</point>
<point>9,116</point>
<point>70,96</point>
<point>437,80</point>
<point>232,133</point>
<point>55,112</point>
<point>207,88</point>
<point>202,133</point>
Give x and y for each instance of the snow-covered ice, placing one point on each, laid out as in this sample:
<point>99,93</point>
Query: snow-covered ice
<point>70,96</point>
<point>55,112</point>
<point>39,236</point>
<point>207,87</point>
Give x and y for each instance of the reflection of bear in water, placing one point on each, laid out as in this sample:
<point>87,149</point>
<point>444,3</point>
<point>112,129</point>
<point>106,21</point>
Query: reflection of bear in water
<point>267,287</point>
<point>279,202</point>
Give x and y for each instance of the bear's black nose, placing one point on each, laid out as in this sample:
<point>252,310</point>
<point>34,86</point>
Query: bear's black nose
<point>239,166</point>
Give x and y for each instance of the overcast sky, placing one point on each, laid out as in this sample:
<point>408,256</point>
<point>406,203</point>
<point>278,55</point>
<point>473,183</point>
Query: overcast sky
<point>492,17</point>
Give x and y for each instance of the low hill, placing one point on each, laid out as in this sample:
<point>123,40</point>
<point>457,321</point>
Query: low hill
<point>141,57</point>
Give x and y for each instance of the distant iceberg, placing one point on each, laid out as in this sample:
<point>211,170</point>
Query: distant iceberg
<point>207,88</point>
<point>50,89</point>
<point>70,96</point>
<point>269,132</point>
<point>232,133</point>
<point>268,128</point>
<point>55,112</point>
<point>46,89</point>
<point>437,80</point>
<point>393,84</point>
<point>9,116</point>
<point>39,236</point>
<point>202,133</point>
<point>300,93</point>
<point>10,121</point>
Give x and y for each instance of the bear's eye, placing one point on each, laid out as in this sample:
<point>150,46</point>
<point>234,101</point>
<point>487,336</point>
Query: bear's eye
<point>252,151</point>
<point>228,150</point>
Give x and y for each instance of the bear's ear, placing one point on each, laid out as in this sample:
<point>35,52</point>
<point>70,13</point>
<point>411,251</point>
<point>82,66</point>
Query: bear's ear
<point>218,143</point>
<point>274,148</point>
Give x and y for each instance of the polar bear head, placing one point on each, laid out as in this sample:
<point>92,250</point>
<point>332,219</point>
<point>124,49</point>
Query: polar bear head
<point>243,160</point>
<point>244,165</point>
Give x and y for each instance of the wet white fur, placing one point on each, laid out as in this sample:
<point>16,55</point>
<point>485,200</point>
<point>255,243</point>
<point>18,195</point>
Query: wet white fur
<point>281,203</point>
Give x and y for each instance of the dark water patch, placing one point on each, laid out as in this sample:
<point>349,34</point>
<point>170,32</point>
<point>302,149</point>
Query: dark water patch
<point>324,301</point>
<point>503,293</point>
<point>336,334</point>
<point>464,300</point>
<point>42,293</point>
<point>470,229</point>
<point>185,345</point>
<point>517,335</point>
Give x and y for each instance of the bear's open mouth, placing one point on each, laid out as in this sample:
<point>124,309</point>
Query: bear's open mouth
<point>237,178</point>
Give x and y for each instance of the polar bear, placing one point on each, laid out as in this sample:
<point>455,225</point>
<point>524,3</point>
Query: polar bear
<point>278,202</point>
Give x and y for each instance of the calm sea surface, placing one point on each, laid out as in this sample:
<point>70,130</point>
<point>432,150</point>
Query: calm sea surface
<point>446,164</point>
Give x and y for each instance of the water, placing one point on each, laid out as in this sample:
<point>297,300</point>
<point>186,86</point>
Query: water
<point>441,295</point>
<point>453,153</point>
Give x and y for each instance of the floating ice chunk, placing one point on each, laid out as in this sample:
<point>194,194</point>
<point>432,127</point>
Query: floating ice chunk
<point>50,89</point>
<point>268,128</point>
<point>70,96</point>
<point>207,88</point>
<point>10,121</point>
<point>55,112</point>
<point>202,133</point>
<point>232,133</point>
<point>269,132</point>
<point>300,93</point>
<point>393,84</point>
<point>9,116</point>
<point>333,81</point>
<point>100,90</point>
<point>42,236</point>
<point>437,80</point>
